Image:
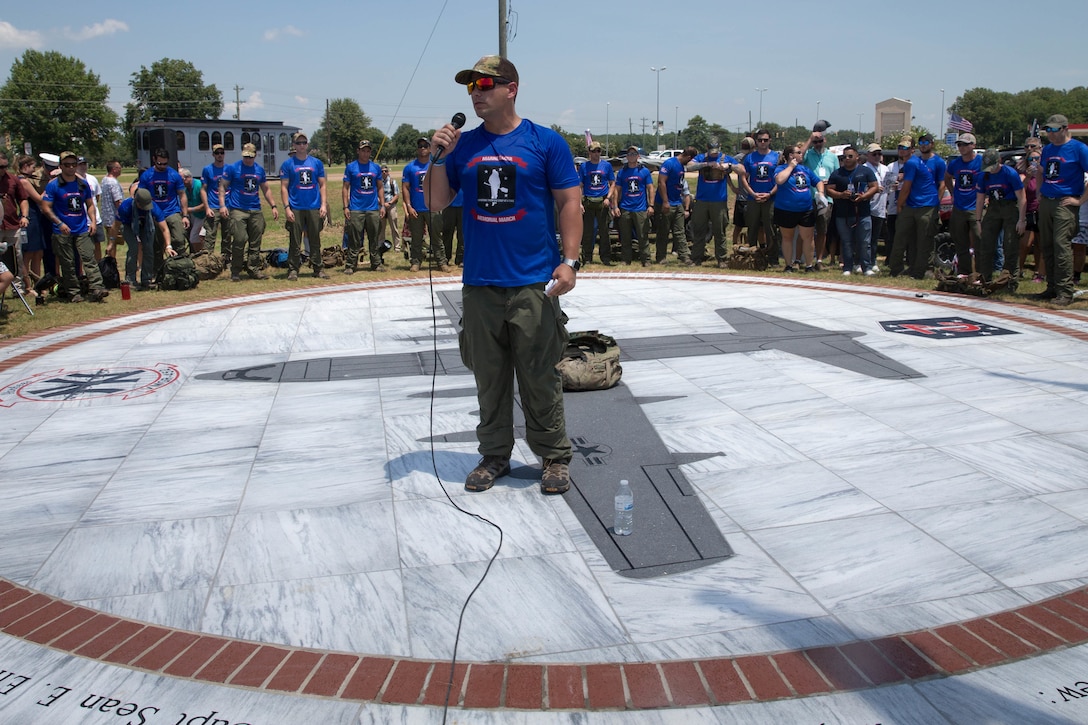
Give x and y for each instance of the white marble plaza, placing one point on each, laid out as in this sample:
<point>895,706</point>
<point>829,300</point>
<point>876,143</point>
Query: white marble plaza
<point>310,514</point>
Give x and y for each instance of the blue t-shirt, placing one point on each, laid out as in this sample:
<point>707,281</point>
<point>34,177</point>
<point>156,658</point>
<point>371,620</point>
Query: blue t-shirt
<point>632,184</point>
<point>69,202</point>
<point>244,185</point>
<point>923,188</point>
<point>211,176</point>
<point>965,177</point>
<point>128,206</point>
<point>712,182</point>
<point>1001,184</point>
<point>856,181</point>
<point>796,193</point>
<point>365,181</point>
<point>1063,169</point>
<point>596,178</point>
<point>672,171</point>
<point>303,181</point>
<point>509,217</point>
<point>760,168</point>
<point>938,167</point>
<point>414,174</point>
<point>164,187</point>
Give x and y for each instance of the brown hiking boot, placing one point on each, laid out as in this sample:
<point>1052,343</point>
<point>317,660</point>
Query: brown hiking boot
<point>483,476</point>
<point>555,478</point>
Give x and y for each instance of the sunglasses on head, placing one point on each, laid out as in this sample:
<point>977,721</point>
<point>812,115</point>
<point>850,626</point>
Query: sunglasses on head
<point>485,84</point>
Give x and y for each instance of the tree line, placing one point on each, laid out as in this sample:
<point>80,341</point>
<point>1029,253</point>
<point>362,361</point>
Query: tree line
<point>55,102</point>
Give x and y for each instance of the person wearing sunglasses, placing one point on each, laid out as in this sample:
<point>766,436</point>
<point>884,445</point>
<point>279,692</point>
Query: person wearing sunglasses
<point>1001,192</point>
<point>892,181</point>
<point>853,187</point>
<point>304,196</point>
<point>598,178</point>
<point>1062,191</point>
<point>518,178</point>
<point>878,207</point>
<point>823,162</point>
<point>209,194</point>
<point>1029,240</point>
<point>674,213</point>
<point>794,206</point>
<point>759,184</point>
<point>420,218</point>
<point>917,223</point>
<point>69,202</point>
<point>240,192</point>
<point>963,175</point>
<point>168,193</point>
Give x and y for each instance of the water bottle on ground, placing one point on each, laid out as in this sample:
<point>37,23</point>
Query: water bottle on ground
<point>625,510</point>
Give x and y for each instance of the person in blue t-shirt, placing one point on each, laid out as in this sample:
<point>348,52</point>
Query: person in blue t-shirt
<point>240,192</point>
<point>597,180</point>
<point>305,203</point>
<point>962,177</point>
<point>1062,190</point>
<point>363,208</point>
<point>420,218</point>
<point>917,216</point>
<point>795,207</point>
<point>209,193</point>
<point>632,203</point>
<point>673,215</point>
<point>168,193</point>
<point>852,186</point>
<point>140,220</point>
<point>1001,191</point>
<point>759,166</point>
<point>69,202</point>
<point>711,214</point>
<point>516,176</point>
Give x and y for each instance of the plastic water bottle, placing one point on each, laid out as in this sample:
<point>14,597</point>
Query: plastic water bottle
<point>625,510</point>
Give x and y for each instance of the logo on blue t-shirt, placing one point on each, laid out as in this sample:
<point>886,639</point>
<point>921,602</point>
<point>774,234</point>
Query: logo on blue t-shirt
<point>305,177</point>
<point>763,172</point>
<point>596,178</point>
<point>159,188</point>
<point>365,183</point>
<point>633,187</point>
<point>966,180</point>
<point>249,183</point>
<point>1053,169</point>
<point>496,187</point>
<point>75,204</point>
<point>801,181</point>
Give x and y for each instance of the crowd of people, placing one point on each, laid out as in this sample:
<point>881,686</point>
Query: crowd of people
<point>814,208</point>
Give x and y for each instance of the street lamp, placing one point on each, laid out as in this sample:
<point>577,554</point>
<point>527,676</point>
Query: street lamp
<point>817,110</point>
<point>760,106</point>
<point>657,120</point>
<point>944,129</point>
<point>676,127</point>
<point>859,128</point>
<point>607,139</point>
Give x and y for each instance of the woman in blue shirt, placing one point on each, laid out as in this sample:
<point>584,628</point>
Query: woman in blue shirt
<point>794,207</point>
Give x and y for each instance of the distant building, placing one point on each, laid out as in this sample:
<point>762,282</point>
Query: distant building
<point>189,142</point>
<point>893,117</point>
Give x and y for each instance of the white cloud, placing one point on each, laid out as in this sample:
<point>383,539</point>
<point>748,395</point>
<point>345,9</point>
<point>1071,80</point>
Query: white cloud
<point>275,33</point>
<point>251,104</point>
<point>87,32</point>
<point>566,118</point>
<point>12,37</point>
<point>302,100</point>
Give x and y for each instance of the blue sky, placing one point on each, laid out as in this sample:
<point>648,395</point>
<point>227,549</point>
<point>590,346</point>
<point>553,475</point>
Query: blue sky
<point>582,65</point>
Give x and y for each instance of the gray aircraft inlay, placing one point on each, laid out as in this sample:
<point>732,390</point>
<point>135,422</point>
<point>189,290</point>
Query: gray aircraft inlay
<point>611,436</point>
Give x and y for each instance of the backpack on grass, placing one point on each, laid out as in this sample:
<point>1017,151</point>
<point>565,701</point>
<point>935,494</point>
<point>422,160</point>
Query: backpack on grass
<point>179,274</point>
<point>590,362</point>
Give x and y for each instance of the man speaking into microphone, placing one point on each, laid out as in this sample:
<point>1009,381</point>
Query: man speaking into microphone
<point>516,175</point>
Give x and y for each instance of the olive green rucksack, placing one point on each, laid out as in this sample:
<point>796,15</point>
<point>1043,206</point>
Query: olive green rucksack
<point>179,273</point>
<point>590,362</point>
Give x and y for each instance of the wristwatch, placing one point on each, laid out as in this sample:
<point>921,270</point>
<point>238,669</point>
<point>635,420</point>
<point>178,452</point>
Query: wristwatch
<point>572,263</point>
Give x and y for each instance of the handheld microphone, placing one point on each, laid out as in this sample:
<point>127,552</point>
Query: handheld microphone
<point>457,121</point>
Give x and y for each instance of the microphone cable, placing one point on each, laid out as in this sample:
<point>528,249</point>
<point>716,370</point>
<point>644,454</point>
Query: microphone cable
<point>434,463</point>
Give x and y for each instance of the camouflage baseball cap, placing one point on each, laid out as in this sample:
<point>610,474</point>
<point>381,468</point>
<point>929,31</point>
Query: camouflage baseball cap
<point>490,65</point>
<point>991,160</point>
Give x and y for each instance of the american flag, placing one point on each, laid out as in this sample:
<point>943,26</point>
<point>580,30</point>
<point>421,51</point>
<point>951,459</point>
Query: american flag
<point>959,123</point>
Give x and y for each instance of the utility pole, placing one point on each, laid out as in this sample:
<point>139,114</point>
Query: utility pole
<point>238,102</point>
<point>502,28</point>
<point>643,143</point>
